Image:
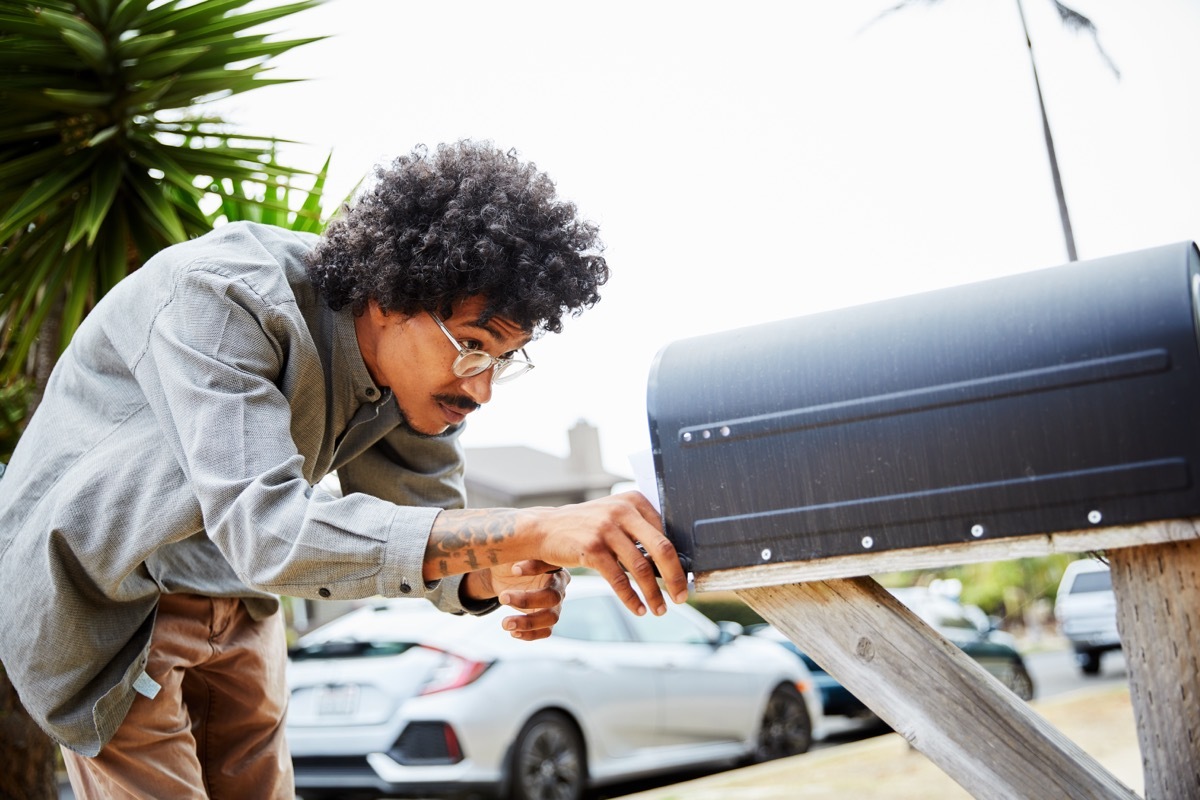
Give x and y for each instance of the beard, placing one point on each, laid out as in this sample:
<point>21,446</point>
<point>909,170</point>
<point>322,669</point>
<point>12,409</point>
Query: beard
<point>453,400</point>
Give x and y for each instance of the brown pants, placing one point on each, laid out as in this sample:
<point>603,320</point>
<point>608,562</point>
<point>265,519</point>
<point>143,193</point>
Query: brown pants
<point>215,729</point>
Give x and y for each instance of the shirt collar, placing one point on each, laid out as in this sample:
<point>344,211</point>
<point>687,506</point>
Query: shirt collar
<point>348,361</point>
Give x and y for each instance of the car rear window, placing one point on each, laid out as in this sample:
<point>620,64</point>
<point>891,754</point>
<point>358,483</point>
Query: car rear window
<point>1092,582</point>
<point>348,650</point>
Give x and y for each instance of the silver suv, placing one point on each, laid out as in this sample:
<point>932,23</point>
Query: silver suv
<point>1086,610</point>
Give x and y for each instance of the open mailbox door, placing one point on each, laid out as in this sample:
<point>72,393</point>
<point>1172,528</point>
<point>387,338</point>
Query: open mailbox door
<point>1059,399</point>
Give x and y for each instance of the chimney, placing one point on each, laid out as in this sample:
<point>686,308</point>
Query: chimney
<point>584,458</point>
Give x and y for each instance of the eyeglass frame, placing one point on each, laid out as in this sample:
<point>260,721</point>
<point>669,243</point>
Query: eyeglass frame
<point>496,365</point>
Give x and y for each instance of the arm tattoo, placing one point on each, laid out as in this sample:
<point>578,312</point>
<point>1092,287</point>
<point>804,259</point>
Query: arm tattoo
<point>456,536</point>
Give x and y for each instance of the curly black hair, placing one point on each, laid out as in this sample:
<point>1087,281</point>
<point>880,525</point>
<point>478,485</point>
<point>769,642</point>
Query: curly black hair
<point>467,219</point>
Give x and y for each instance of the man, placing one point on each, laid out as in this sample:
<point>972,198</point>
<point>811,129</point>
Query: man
<point>166,489</point>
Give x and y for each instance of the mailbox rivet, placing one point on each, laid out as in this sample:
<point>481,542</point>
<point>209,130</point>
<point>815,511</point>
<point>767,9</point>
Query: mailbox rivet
<point>977,531</point>
<point>687,437</point>
<point>766,554</point>
<point>707,434</point>
<point>1094,517</point>
<point>868,542</point>
<point>725,430</point>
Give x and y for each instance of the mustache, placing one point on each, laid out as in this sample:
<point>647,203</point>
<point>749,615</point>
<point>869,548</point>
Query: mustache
<point>458,401</point>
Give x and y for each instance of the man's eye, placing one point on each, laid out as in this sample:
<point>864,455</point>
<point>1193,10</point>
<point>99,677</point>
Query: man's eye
<point>471,344</point>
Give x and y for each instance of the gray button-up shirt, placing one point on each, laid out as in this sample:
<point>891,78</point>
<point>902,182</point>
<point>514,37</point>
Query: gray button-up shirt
<point>177,450</point>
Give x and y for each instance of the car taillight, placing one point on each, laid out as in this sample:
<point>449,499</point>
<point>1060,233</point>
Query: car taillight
<point>454,672</point>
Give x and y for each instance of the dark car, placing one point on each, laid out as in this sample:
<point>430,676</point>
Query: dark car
<point>994,650</point>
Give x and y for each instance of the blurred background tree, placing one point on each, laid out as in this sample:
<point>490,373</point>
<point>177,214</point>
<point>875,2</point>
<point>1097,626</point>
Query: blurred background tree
<point>1074,21</point>
<point>1020,592</point>
<point>107,155</point>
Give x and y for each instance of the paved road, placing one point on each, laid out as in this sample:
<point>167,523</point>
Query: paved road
<point>1054,672</point>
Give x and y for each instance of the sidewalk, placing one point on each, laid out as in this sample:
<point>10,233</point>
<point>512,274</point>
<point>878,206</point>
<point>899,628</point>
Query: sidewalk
<point>885,767</point>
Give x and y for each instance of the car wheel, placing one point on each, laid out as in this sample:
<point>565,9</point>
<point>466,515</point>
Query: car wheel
<point>1089,662</point>
<point>786,727</point>
<point>547,761</point>
<point>1020,681</point>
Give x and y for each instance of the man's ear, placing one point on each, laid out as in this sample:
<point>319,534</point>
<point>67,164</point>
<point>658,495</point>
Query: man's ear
<point>374,313</point>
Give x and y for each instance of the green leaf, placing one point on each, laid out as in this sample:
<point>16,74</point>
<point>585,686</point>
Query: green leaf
<point>80,99</point>
<point>241,49</point>
<point>160,159</point>
<point>139,46</point>
<point>198,15</point>
<point>96,11</point>
<point>102,136</point>
<point>308,218</point>
<point>106,179</point>
<point>80,280</point>
<point>23,131</point>
<point>91,48</point>
<point>25,24</point>
<point>127,14</point>
<point>164,216</point>
<point>148,98</point>
<point>163,63</point>
<point>43,275</point>
<point>44,194</point>
<point>229,25</point>
<point>20,172</point>
<point>63,22</point>
<point>111,251</point>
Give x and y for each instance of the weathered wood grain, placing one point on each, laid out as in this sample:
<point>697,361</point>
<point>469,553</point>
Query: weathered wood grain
<point>1158,615</point>
<point>938,698</point>
<point>1080,541</point>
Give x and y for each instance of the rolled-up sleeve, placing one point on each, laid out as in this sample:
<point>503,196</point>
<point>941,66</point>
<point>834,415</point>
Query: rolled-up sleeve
<point>417,473</point>
<point>215,367</point>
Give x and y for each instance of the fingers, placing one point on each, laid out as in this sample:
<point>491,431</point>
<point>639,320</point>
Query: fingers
<point>651,549</point>
<point>621,538</point>
<point>660,549</point>
<point>542,606</point>
<point>533,567</point>
<point>533,599</point>
<point>535,625</point>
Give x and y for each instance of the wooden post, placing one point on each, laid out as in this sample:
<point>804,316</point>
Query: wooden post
<point>932,693</point>
<point>1158,614</point>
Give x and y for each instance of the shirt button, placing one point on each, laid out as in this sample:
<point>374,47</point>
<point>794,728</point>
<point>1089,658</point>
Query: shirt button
<point>404,587</point>
<point>324,592</point>
<point>372,392</point>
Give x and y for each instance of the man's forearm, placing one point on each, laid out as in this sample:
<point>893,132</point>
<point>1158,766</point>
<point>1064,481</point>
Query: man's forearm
<point>468,540</point>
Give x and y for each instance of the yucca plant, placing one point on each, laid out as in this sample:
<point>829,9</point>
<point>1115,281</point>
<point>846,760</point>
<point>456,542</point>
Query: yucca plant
<point>107,151</point>
<point>106,156</point>
<point>279,203</point>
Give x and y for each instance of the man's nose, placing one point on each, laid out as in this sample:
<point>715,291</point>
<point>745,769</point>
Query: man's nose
<point>479,387</point>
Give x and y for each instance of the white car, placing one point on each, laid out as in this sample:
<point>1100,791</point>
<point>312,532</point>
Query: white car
<point>1086,610</point>
<point>400,699</point>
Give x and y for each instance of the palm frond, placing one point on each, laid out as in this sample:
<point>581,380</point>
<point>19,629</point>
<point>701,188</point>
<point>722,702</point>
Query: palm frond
<point>1075,21</point>
<point>105,156</point>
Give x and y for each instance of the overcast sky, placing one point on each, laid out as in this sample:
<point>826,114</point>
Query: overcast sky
<point>756,161</point>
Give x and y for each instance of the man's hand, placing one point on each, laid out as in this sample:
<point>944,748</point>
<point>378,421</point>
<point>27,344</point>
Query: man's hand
<point>534,588</point>
<point>605,535</point>
<point>602,534</point>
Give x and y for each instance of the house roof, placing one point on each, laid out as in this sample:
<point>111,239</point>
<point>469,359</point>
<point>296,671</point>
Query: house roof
<point>520,471</point>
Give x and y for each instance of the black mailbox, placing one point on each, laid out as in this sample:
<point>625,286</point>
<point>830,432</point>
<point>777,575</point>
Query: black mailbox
<point>1053,400</point>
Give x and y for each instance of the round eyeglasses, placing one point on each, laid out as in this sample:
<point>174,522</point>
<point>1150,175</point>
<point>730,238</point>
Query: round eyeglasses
<point>472,362</point>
